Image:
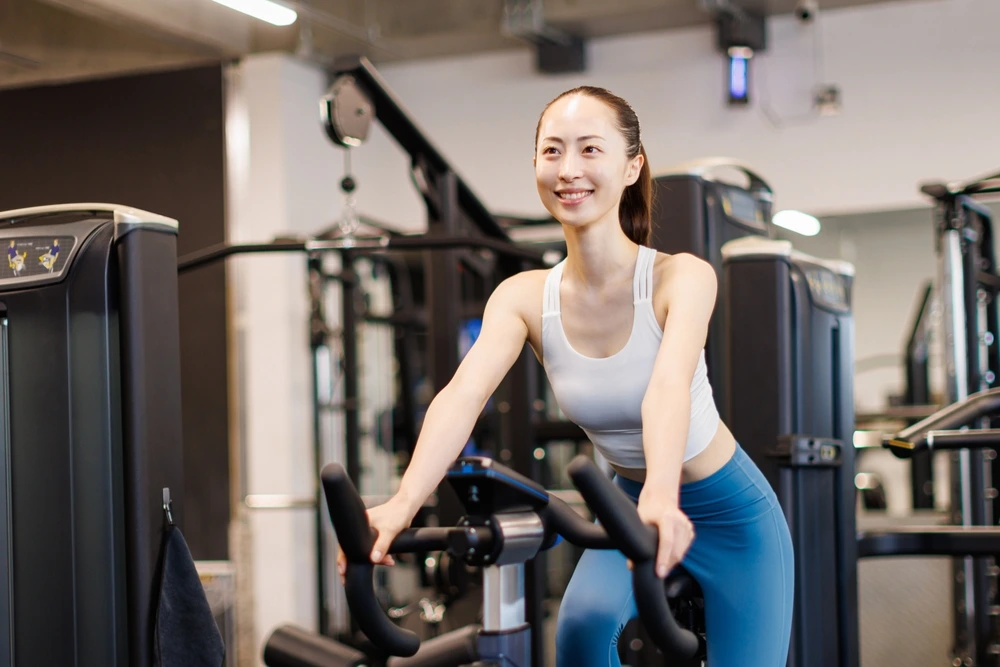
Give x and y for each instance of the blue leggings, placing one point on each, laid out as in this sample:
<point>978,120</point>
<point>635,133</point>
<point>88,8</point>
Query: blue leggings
<point>741,556</point>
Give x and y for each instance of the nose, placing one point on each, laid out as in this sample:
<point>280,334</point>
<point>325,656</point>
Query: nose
<point>569,167</point>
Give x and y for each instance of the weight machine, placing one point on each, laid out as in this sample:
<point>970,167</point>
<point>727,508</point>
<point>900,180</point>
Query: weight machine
<point>794,311</point>
<point>967,287</point>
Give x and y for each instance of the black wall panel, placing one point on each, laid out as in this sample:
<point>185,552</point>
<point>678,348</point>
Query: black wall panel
<point>156,142</point>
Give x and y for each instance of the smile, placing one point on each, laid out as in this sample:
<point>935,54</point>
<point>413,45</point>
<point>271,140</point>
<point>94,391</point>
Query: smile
<point>575,196</point>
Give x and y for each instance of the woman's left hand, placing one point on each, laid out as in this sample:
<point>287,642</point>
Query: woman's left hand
<point>675,529</point>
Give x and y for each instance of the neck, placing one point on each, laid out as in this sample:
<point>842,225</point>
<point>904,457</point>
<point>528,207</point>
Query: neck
<point>599,254</point>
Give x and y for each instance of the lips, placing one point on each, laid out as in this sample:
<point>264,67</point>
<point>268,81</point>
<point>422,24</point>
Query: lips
<point>573,196</point>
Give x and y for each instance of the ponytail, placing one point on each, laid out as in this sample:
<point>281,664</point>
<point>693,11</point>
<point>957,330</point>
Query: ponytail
<point>635,208</point>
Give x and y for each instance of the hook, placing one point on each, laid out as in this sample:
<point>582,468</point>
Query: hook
<point>168,506</point>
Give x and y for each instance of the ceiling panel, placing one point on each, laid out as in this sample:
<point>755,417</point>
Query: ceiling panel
<point>53,40</point>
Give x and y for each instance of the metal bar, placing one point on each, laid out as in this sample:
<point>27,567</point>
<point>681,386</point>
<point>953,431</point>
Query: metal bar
<point>952,287</point>
<point>359,246</point>
<point>970,439</point>
<point>918,393</point>
<point>317,341</point>
<point>503,598</point>
<point>930,541</point>
<point>443,297</point>
<point>278,501</point>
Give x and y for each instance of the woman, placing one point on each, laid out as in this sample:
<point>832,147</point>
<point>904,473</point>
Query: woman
<point>620,330</point>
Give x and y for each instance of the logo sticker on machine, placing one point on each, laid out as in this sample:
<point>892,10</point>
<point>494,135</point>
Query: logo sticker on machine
<point>36,256</point>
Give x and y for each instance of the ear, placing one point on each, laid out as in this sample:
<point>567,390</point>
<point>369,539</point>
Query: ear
<point>633,169</point>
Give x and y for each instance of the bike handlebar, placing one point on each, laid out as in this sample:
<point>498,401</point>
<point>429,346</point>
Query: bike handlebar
<point>622,529</point>
<point>620,518</point>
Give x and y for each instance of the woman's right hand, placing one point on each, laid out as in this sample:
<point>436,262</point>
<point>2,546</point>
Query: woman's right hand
<point>387,520</point>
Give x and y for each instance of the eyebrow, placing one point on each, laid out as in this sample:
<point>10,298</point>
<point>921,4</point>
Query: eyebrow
<point>584,138</point>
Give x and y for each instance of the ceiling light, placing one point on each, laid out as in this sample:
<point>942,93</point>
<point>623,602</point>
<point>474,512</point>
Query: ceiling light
<point>797,221</point>
<point>265,10</point>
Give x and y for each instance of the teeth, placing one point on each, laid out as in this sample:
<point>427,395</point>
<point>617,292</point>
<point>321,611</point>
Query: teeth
<point>573,195</point>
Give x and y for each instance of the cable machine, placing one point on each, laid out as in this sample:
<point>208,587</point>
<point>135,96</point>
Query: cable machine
<point>967,285</point>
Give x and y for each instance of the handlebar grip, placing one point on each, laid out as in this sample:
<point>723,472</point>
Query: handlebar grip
<point>350,520</point>
<point>360,592</point>
<point>559,518</point>
<point>420,539</point>
<point>651,601</point>
<point>348,514</point>
<point>614,509</point>
<point>638,541</point>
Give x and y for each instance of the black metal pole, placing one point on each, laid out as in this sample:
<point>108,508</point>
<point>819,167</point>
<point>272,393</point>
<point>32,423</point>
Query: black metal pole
<point>317,341</point>
<point>443,297</point>
<point>918,393</point>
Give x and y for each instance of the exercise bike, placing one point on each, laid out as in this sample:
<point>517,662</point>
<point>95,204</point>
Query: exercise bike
<point>509,519</point>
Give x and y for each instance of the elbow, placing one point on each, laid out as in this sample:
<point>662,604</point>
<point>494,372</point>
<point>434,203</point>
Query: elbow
<point>460,398</point>
<point>666,397</point>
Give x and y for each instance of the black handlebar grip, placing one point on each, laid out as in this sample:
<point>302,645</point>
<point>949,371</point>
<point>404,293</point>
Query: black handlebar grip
<point>651,601</point>
<point>348,514</point>
<point>360,593</point>
<point>420,539</point>
<point>350,520</point>
<point>638,541</point>
<point>560,518</point>
<point>614,509</point>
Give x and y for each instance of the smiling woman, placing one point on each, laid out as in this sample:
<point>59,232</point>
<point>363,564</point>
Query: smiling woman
<point>621,132</point>
<point>620,330</point>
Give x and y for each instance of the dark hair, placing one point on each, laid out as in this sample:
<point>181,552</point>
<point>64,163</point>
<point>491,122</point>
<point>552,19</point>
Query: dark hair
<point>635,208</point>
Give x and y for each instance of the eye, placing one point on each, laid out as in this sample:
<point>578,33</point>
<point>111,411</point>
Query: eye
<point>591,149</point>
<point>548,150</point>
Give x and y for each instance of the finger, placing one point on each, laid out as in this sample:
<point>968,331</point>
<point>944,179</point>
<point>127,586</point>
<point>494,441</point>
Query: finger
<point>663,551</point>
<point>380,548</point>
<point>682,542</point>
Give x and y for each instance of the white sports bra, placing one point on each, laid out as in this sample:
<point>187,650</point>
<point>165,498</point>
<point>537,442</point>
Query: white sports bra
<point>604,395</point>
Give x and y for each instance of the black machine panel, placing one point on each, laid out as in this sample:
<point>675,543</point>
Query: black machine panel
<point>698,213</point>
<point>486,487</point>
<point>791,407</point>
<point>5,541</point>
<point>88,308</point>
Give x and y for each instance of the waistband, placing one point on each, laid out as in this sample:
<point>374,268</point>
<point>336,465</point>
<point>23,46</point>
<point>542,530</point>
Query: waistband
<point>691,491</point>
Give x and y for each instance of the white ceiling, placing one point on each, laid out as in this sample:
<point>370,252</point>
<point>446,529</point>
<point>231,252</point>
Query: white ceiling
<point>59,40</point>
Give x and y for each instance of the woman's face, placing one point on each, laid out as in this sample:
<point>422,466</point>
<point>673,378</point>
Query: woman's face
<point>581,168</point>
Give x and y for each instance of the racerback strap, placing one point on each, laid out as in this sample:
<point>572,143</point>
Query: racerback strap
<point>642,283</point>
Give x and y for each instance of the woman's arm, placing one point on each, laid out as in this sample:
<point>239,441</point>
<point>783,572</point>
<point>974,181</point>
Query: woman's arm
<point>690,288</point>
<point>452,414</point>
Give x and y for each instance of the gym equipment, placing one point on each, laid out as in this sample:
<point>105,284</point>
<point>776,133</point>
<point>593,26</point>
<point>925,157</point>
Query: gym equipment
<point>90,468</point>
<point>697,210</point>
<point>463,241</point>
<point>509,519</point>
<point>967,286</point>
<point>791,407</point>
<point>794,312</point>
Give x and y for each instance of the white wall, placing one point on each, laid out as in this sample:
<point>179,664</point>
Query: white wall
<point>918,84</point>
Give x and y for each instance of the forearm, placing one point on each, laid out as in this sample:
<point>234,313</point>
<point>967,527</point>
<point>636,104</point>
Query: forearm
<point>665,423</point>
<point>449,421</point>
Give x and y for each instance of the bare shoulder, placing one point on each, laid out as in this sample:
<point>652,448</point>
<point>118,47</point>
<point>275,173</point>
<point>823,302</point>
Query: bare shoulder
<point>522,292</point>
<point>682,269</point>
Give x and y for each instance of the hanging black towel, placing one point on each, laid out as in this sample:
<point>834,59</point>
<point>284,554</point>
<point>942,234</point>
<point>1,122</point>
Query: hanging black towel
<point>186,634</point>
